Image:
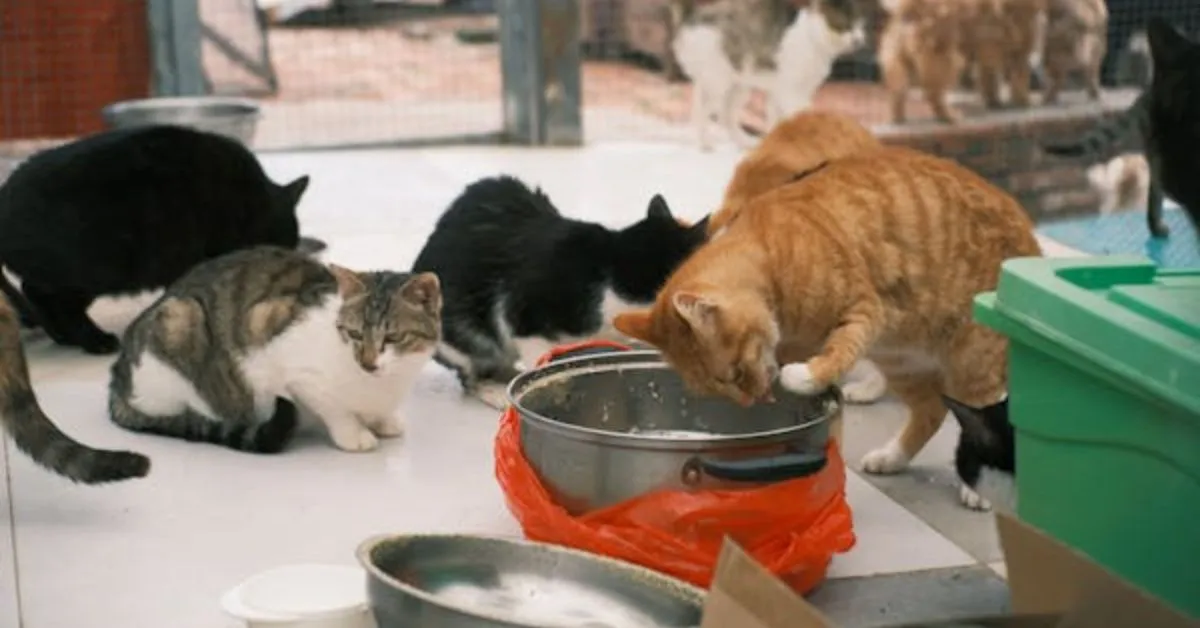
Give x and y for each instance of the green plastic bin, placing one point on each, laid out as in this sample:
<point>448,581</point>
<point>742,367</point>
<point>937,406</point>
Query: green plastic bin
<point>1104,394</point>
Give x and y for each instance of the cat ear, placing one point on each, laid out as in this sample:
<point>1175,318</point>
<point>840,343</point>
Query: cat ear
<point>1166,43</point>
<point>349,284</point>
<point>424,290</point>
<point>636,325</point>
<point>292,192</point>
<point>699,311</point>
<point>658,208</point>
<point>702,226</point>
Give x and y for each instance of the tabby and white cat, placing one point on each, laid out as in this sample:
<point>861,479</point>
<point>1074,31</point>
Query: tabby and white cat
<point>519,277</point>
<point>230,350</point>
<point>710,47</point>
<point>816,38</point>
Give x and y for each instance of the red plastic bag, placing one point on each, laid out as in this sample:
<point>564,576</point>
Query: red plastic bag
<point>792,528</point>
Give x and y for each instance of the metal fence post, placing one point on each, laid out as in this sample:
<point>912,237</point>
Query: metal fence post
<point>175,36</point>
<point>540,61</point>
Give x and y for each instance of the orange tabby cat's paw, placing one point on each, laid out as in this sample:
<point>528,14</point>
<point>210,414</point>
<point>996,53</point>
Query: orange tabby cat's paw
<point>798,378</point>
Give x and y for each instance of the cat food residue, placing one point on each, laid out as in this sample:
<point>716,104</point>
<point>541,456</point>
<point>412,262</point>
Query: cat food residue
<point>532,600</point>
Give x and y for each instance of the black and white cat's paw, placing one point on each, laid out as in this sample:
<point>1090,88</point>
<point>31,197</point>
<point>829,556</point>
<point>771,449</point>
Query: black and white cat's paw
<point>993,490</point>
<point>973,500</point>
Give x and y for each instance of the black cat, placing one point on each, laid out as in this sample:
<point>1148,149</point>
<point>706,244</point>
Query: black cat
<point>517,276</point>
<point>131,210</point>
<point>1167,116</point>
<point>985,459</point>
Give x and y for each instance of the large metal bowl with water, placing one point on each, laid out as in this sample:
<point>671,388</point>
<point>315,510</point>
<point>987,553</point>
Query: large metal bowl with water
<point>236,118</point>
<point>468,581</point>
<point>603,426</point>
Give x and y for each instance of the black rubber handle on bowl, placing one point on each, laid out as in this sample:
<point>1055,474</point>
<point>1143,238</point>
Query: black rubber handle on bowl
<point>578,353</point>
<point>772,469</point>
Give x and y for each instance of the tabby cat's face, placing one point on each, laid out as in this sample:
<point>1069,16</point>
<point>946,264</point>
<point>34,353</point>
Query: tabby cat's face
<point>386,317</point>
<point>720,349</point>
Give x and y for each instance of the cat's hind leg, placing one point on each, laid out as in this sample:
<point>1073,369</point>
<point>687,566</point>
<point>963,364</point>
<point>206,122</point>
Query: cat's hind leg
<point>937,75</point>
<point>484,366</point>
<point>920,390</point>
<point>248,434</point>
<point>65,319</point>
<point>1154,209</point>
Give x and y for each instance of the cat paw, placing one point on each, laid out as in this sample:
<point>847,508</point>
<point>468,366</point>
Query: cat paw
<point>885,460</point>
<point>360,439</point>
<point>100,344</point>
<point>492,394</point>
<point>973,500</point>
<point>865,391</point>
<point>797,378</point>
<point>385,426</point>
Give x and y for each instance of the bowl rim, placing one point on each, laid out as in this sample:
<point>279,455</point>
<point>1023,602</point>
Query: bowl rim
<point>696,594</point>
<point>253,108</point>
<point>651,359</point>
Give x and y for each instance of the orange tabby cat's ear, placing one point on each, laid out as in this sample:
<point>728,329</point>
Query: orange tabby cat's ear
<point>636,325</point>
<point>698,310</point>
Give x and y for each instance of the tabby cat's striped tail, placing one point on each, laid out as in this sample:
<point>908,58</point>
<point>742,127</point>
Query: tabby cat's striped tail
<point>1108,137</point>
<point>260,437</point>
<point>34,433</point>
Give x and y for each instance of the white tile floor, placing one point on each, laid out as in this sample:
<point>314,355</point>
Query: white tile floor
<point>158,552</point>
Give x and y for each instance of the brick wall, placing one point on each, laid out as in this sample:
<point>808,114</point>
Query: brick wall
<point>1004,148</point>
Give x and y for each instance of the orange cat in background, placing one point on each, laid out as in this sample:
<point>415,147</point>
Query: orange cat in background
<point>797,145</point>
<point>878,255</point>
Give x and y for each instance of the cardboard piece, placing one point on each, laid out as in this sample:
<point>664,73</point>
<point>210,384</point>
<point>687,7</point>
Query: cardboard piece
<point>1052,585</point>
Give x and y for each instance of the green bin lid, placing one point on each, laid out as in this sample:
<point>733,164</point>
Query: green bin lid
<point>1123,316</point>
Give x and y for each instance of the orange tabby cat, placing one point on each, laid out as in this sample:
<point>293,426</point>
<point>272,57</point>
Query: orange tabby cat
<point>923,40</point>
<point>1003,36</point>
<point>796,145</point>
<point>932,40</point>
<point>875,255</point>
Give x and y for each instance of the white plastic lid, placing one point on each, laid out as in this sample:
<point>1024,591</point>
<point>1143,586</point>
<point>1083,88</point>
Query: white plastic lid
<point>297,592</point>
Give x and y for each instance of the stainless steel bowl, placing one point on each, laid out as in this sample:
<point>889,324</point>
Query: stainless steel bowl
<point>236,118</point>
<point>605,427</point>
<point>468,581</point>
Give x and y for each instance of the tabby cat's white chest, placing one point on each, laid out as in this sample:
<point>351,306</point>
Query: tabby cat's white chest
<point>311,357</point>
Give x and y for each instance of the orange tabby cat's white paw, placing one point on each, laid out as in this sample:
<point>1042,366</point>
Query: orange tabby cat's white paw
<point>797,378</point>
<point>885,460</point>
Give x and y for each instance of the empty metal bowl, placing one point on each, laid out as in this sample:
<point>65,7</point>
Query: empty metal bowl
<point>469,581</point>
<point>236,118</point>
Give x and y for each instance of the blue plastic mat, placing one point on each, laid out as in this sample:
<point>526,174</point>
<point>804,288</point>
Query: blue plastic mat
<point>1126,233</point>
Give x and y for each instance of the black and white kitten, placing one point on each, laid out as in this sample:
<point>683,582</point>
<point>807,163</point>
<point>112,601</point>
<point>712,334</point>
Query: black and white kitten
<point>518,277</point>
<point>986,456</point>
